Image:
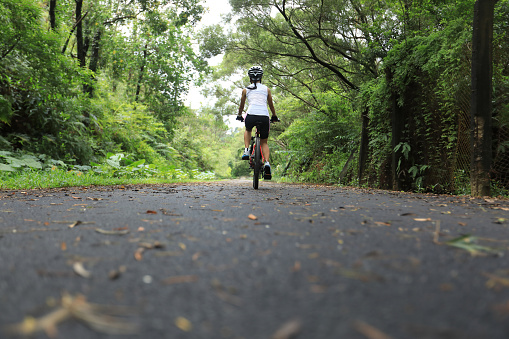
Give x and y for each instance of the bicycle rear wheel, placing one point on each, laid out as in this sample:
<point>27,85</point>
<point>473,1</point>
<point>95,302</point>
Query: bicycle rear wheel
<point>257,163</point>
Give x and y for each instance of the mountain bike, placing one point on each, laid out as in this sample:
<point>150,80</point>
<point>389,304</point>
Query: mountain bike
<point>256,158</point>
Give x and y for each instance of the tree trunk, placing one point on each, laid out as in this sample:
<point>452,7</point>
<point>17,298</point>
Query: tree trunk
<point>481,107</point>
<point>142,69</point>
<point>363,150</point>
<point>52,16</point>
<point>94,61</point>
<point>79,33</point>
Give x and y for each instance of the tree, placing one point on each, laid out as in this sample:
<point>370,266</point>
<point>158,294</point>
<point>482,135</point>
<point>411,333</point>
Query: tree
<point>482,89</point>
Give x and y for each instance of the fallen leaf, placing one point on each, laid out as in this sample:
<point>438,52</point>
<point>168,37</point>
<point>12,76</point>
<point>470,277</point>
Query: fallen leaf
<point>252,217</point>
<point>141,229</point>
<point>107,232</point>
<point>76,223</point>
<point>380,223</point>
<point>80,270</point>
<point>151,212</point>
<point>436,234</point>
<point>296,266</point>
<point>138,254</point>
<point>313,255</point>
<point>149,246</point>
<point>48,323</point>
<point>369,331</point>
<point>183,324</point>
<point>180,279</point>
<point>496,281</point>
<point>468,243</point>
<point>446,287</point>
<point>462,223</point>
<point>63,246</point>
<point>115,274</point>
<point>422,219</point>
<point>288,330</point>
<point>182,246</point>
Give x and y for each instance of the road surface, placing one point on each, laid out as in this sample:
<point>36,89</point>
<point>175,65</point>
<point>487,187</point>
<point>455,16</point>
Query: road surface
<point>221,260</point>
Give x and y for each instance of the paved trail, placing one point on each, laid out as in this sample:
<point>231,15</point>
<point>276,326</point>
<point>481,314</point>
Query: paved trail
<point>221,260</point>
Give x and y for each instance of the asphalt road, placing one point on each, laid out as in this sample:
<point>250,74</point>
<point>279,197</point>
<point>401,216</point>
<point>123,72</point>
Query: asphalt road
<point>221,260</point>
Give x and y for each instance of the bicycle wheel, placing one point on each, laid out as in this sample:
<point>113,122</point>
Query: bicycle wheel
<point>257,163</point>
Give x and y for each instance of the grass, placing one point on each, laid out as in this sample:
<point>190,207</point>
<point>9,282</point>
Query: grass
<point>34,179</point>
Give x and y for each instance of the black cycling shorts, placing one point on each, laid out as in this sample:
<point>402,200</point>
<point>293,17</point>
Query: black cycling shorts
<point>262,120</point>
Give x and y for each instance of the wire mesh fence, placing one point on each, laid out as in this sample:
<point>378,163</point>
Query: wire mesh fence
<point>439,136</point>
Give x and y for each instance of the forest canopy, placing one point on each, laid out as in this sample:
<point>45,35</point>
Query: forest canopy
<point>372,92</point>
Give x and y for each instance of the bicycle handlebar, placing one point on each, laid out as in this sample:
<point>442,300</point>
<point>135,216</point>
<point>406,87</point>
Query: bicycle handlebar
<point>272,119</point>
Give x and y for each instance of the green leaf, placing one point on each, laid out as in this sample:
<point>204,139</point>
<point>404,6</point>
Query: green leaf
<point>468,243</point>
<point>31,161</point>
<point>6,168</point>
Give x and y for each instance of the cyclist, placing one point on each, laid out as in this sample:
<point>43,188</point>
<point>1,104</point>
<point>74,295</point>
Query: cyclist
<point>258,97</point>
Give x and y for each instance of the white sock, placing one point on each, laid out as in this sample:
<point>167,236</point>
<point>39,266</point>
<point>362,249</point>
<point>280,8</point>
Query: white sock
<point>246,149</point>
<point>267,163</point>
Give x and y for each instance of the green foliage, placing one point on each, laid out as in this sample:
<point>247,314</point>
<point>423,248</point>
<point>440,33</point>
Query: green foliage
<point>127,96</point>
<point>5,110</point>
<point>321,142</point>
<point>12,162</point>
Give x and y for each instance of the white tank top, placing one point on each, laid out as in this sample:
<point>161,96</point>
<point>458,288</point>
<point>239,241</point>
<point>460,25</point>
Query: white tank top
<point>257,99</point>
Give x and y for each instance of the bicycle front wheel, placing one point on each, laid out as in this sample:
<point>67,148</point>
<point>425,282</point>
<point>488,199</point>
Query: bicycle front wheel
<point>257,163</point>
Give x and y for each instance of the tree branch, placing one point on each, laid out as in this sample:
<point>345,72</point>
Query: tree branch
<point>72,31</point>
<point>315,57</point>
<point>11,48</point>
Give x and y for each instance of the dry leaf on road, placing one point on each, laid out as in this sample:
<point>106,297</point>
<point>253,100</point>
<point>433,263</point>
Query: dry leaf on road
<point>101,318</point>
<point>180,279</point>
<point>107,232</point>
<point>138,254</point>
<point>288,330</point>
<point>183,324</point>
<point>80,270</point>
<point>369,331</point>
<point>76,223</point>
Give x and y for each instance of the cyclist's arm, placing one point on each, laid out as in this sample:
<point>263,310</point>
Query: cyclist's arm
<point>271,104</point>
<point>242,102</point>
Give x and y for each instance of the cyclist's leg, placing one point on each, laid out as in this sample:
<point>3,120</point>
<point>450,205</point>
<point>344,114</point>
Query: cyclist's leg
<point>265,149</point>
<point>264,136</point>
<point>267,175</point>
<point>247,138</point>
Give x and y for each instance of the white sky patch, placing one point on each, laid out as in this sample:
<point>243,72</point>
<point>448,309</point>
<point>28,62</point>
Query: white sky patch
<point>213,11</point>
